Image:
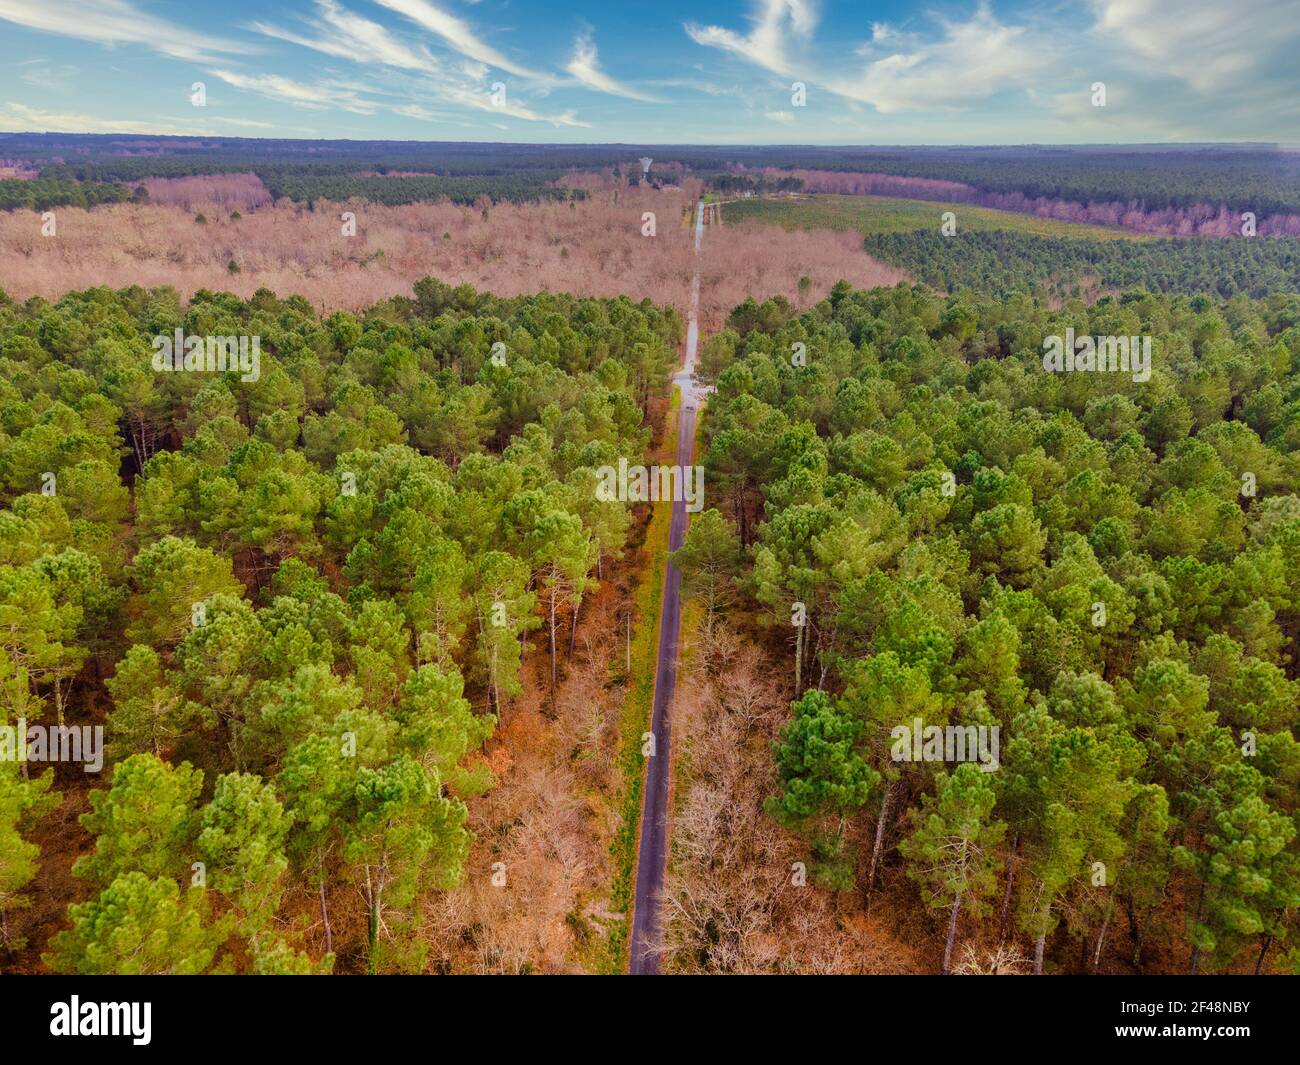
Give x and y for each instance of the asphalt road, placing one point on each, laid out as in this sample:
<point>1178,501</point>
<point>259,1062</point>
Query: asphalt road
<point>652,851</point>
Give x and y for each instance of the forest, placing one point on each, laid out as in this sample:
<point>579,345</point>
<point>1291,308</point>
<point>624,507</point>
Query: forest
<point>1262,179</point>
<point>71,186</point>
<point>392,191</point>
<point>298,607</point>
<point>40,194</point>
<point>359,627</point>
<point>730,184</point>
<point>928,527</point>
<point>1005,261</point>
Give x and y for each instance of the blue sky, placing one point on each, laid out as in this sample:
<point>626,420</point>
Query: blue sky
<point>658,72</point>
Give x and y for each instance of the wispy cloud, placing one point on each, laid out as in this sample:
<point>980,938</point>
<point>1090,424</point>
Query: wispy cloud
<point>424,114</point>
<point>1206,43</point>
<point>317,95</point>
<point>1125,110</point>
<point>16,116</point>
<point>706,87</point>
<point>477,96</point>
<point>116,22</point>
<point>957,70</point>
<point>42,75</point>
<point>967,63</point>
<point>458,34</point>
<point>242,123</point>
<point>345,35</point>
<point>585,68</point>
<point>765,44</point>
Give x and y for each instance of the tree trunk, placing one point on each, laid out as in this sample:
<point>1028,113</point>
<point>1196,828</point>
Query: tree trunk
<point>573,632</point>
<point>798,648</point>
<point>1196,950</point>
<point>1101,938</point>
<point>325,914</point>
<point>1041,939</point>
<point>1259,962</point>
<point>952,934</point>
<point>1006,895</point>
<point>496,690</point>
<point>1142,937</point>
<point>552,646</point>
<point>374,938</point>
<point>880,836</point>
<point>372,925</point>
<point>817,650</point>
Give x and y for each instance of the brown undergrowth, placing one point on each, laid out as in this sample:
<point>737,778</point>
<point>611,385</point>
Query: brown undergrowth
<point>732,901</point>
<point>593,248</point>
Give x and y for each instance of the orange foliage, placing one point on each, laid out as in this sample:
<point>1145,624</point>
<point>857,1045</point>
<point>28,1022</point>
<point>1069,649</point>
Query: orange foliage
<point>593,248</point>
<point>229,192</point>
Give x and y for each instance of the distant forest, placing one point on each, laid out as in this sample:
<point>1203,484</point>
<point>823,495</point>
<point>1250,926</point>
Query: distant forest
<point>1260,178</point>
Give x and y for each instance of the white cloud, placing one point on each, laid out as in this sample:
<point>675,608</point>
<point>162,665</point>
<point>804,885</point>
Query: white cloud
<point>317,96</point>
<point>41,75</point>
<point>114,22</point>
<point>1124,114</point>
<point>345,35</point>
<point>971,61</point>
<point>1206,43</point>
<point>585,68</point>
<point>565,118</point>
<point>348,36</point>
<point>706,87</point>
<point>457,33</point>
<point>416,111</point>
<point>765,44</point>
<point>242,123</point>
<point>16,116</point>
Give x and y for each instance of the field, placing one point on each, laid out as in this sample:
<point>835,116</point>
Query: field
<point>886,214</point>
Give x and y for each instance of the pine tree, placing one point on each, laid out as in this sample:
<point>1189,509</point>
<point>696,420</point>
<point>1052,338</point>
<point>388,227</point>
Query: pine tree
<point>139,926</point>
<point>952,850</point>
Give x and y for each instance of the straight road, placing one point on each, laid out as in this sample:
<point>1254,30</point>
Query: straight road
<point>652,852</point>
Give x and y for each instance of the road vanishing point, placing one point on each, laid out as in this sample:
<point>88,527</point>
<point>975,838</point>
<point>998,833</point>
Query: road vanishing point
<point>652,849</point>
